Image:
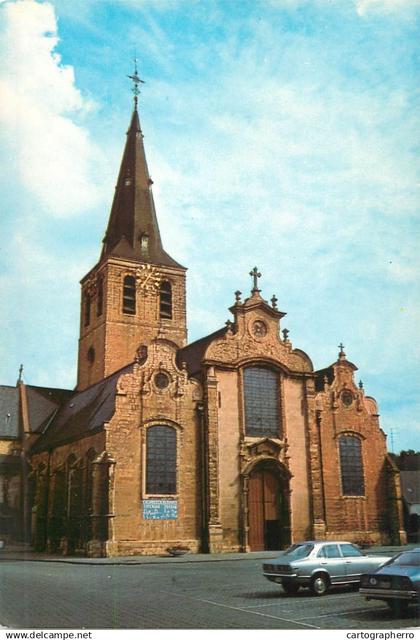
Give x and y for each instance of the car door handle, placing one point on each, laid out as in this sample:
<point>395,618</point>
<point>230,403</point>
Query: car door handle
<point>324,562</point>
<point>348,561</point>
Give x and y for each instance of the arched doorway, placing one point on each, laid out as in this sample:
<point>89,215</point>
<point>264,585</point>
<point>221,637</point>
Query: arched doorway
<point>268,508</point>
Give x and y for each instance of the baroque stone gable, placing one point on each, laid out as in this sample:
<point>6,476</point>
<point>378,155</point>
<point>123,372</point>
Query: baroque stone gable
<point>158,379</point>
<point>235,348</point>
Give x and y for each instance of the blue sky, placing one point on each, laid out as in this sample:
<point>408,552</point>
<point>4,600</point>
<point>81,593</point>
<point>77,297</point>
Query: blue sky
<point>279,133</point>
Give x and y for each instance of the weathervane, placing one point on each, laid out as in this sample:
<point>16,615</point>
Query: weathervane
<point>136,81</point>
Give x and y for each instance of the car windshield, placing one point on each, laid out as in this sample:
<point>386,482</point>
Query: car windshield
<point>297,551</point>
<point>408,559</point>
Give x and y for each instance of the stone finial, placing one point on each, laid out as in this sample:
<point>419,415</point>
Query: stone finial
<point>229,325</point>
<point>20,379</point>
<point>238,297</point>
<point>274,302</point>
<point>255,274</point>
<point>285,333</point>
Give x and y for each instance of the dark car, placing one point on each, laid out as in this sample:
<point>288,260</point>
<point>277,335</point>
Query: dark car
<point>320,564</point>
<point>397,582</point>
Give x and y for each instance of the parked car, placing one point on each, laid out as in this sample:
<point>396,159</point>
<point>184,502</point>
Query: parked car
<point>397,582</point>
<point>319,565</point>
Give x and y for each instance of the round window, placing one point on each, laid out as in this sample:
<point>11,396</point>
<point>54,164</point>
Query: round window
<point>347,398</point>
<point>161,380</point>
<point>259,329</point>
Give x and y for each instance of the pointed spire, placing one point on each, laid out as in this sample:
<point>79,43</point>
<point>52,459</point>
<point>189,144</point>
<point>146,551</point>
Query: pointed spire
<point>133,230</point>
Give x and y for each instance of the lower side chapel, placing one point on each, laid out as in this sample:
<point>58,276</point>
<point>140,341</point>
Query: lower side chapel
<point>231,443</point>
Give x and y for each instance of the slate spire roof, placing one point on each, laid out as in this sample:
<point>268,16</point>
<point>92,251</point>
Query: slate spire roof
<point>133,230</point>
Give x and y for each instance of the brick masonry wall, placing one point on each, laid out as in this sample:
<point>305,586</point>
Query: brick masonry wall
<point>140,405</point>
<point>115,336</point>
<point>353,517</point>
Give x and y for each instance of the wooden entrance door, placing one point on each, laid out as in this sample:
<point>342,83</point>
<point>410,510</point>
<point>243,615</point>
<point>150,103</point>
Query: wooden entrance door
<point>264,512</point>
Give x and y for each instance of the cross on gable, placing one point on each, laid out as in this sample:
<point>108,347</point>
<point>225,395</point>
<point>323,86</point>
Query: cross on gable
<point>255,275</point>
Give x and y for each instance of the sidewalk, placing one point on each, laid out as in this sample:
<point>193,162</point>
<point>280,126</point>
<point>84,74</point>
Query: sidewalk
<point>21,554</point>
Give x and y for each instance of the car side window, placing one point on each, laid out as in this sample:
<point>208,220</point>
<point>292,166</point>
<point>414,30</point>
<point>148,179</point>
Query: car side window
<point>321,553</point>
<point>350,551</point>
<point>332,551</point>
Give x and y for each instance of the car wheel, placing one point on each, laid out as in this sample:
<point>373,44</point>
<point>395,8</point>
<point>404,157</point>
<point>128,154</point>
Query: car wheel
<point>398,607</point>
<point>319,585</point>
<point>290,588</point>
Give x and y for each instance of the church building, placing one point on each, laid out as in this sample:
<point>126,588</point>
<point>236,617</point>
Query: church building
<point>231,443</point>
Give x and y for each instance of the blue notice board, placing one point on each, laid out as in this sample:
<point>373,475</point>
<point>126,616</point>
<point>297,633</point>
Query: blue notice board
<point>160,509</point>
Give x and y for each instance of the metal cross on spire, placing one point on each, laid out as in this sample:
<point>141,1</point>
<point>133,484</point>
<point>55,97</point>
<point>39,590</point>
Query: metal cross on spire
<point>255,275</point>
<point>136,81</point>
<point>341,347</point>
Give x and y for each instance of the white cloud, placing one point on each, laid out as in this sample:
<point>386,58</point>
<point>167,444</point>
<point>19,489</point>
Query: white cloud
<point>39,110</point>
<point>364,7</point>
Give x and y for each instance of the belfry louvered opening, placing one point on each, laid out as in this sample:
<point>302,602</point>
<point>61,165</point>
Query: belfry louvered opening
<point>129,295</point>
<point>166,300</point>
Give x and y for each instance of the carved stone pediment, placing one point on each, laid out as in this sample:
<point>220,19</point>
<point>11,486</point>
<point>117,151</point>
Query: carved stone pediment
<point>234,348</point>
<point>264,447</point>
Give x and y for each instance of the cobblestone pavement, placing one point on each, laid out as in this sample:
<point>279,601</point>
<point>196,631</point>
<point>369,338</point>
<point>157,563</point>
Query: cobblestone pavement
<point>176,594</point>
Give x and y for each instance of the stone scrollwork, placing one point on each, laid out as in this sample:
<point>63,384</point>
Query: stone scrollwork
<point>265,449</point>
<point>234,348</point>
<point>123,384</point>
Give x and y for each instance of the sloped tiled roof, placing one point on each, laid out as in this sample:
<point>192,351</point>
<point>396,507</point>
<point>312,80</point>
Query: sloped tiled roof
<point>193,353</point>
<point>9,412</point>
<point>410,485</point>
<point>42,403</point>
<point>83,413</point>
<point>133,214</point>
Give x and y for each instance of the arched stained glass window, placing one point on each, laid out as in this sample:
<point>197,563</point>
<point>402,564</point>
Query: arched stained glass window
<point>262,402</point>
<point>351,464</point>
<point>161,460</point>
<point>166,300</point>
<point>129,295</point>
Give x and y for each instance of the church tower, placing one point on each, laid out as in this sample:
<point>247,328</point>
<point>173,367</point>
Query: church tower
<point>136,292</point>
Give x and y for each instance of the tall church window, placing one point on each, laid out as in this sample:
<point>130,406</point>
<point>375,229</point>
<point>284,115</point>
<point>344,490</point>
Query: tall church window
<point>351,464</point>
<point>129,295</point>
<point>262,402</point>
<point>100,299</point>
<point>166,300</point>
<point>161,460</point>
<point>88,302</point>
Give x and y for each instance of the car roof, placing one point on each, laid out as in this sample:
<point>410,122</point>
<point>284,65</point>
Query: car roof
<point>323,542</point>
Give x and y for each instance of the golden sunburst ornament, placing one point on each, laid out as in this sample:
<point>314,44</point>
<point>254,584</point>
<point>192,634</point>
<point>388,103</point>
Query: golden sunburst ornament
<point>148,278</point>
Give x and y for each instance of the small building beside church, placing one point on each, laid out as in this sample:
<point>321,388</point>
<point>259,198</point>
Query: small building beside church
<point>231,443</point>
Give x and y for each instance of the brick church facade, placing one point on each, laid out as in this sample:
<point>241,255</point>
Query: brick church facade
<point>231,443</point>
